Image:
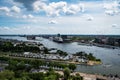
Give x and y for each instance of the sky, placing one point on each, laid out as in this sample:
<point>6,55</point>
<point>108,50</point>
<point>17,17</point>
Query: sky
<point>99,17</point>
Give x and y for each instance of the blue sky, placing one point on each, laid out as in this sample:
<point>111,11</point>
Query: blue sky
<point>60,16</point>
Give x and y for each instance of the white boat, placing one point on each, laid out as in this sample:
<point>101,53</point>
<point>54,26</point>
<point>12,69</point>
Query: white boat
<point>107,65</point>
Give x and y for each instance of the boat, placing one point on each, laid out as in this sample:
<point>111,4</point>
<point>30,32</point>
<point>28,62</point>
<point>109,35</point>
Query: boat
<point>58,39</point>
<point>107,65</point>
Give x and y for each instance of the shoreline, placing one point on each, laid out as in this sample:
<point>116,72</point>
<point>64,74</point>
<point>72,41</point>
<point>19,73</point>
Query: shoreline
<point>98,45</point>
<point>89,63</point>
<point>86,76</point>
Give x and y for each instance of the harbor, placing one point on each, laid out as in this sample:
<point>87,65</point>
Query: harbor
<point>107,55</point>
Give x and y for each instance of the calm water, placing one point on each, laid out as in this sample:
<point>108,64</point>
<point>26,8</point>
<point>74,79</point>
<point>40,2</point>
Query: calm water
<point>108,56</point>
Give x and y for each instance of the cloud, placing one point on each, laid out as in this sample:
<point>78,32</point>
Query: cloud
<point>52,9</point>
<point>28,16</point>
<point>88,17</point>
<point>38,5</point>
<point>109,12</point>
<point>10,11</point>
<point>52,22</point>
<point>74,9</point>
<point>111,8</point>
<point>58,8</point>
<point>114,25</point>
<point>5,9</point>
<point>24,16</point>
<point>111,5</point>
<point>15,9</point>
<point>26,3</point>
<point>6,28</point>
<point>8,14</point>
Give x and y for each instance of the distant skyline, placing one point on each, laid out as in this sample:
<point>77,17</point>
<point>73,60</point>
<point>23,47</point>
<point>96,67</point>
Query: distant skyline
<point>100,17</point>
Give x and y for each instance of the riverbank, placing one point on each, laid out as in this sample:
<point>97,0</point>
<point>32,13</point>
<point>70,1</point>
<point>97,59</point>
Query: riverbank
<point>99,45</point>
<point>86,76</point>
<point>89,63</point>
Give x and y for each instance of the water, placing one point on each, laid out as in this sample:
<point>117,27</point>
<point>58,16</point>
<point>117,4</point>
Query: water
<point>108,56</point>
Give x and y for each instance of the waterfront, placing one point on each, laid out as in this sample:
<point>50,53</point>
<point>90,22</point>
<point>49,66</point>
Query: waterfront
<point>108,56</point>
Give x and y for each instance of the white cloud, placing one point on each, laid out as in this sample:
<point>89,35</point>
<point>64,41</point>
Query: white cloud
<point>5,9</point>
<point>15,9</point>
<point>82,7</point>
<point>111,5</point>
<point>70,12</point>
<point>109,12</point>
<point>114,25</point>
<point>30,16</point>
<point>88,17</point>
<point>58,5</point>
<point>38,5</point>
<point>27,16</point>
<point>74,8</point>
<point>58,8</point>
<point>52,22</point>
<point>111,8</point>
<point>8,14</point>
<point>6,28</point>
<point>24,16</point>
<point>54,9</point>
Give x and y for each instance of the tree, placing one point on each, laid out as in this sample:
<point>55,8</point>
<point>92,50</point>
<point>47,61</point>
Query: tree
<point>51,77</point>
<point>61,53</point>
<point>21,65</point>
<point>50,71</point>
<point>72,66</point>
<point>46,50</point>
<point>6,75</point>
<point>66,73</point>
<point>37,76</point>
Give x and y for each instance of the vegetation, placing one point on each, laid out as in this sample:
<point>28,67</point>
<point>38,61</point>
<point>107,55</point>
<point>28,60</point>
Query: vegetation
<point>61,53</point>
<point>66,73</point>
<point>19,69</point>
<point>87,56</point>
<point>77,77</point>
<point>72,66</point>
<point>9,47</point>
<point>85,38</point>
<point>20,63</point>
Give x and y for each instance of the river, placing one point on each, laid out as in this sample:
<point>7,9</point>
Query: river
<point>109,57</point>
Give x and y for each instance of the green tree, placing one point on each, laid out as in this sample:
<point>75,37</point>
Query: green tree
<point>66,73</point>
<point>37,76</point>
<point>51,77</point>
<point>72,66</point>
<point>6,75</point>
<point>77,77</point>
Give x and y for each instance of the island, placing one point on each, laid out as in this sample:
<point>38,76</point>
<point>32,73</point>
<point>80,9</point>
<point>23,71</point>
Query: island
<point>26,49</point>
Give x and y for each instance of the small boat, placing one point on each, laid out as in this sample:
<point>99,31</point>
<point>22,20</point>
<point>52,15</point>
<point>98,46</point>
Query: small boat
<point>39,39</point>
<point>107,65</point>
